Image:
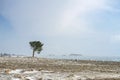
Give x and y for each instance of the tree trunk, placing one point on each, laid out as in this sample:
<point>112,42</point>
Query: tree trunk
<point>33,53</point>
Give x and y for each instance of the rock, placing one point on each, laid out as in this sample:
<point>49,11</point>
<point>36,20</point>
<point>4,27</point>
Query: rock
<point>17,76</point>
<point>40,79</point>
<point>40,69</point>
<point>7,71</point>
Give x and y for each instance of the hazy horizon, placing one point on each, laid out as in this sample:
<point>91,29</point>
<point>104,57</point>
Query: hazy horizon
<point>87,27</point>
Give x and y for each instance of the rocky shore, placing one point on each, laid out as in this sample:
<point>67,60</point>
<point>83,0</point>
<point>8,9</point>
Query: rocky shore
<point>26,68</point>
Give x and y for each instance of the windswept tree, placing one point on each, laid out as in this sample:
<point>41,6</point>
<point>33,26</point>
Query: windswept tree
<point>36,47</point>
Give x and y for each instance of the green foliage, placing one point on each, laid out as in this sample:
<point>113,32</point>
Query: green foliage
<point>36,46</point>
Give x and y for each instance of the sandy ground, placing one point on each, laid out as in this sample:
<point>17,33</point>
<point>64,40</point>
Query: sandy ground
<point>12,68</point>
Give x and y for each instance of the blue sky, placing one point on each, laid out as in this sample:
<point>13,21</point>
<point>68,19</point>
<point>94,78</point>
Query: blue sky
<point>87,27</point>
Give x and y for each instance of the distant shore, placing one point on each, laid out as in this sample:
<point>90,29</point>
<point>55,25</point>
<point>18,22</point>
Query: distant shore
<point>93,70</point>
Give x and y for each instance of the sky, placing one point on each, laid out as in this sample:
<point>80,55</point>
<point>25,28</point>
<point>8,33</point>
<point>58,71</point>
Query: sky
<point>87,27</point>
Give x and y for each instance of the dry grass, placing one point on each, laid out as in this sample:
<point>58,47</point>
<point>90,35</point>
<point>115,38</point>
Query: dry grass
<point>59,65</point>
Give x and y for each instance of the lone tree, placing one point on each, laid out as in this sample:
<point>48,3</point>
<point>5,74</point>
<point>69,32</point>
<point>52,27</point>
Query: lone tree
<point>36,46</point>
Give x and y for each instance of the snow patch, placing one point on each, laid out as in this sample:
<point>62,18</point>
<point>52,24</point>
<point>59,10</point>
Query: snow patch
<point>17,71</point>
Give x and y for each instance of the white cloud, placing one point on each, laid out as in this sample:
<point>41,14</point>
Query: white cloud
<point>43,18</point>
<point>71,20</point>
<point>30,17</point>
<point>115,38</point>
